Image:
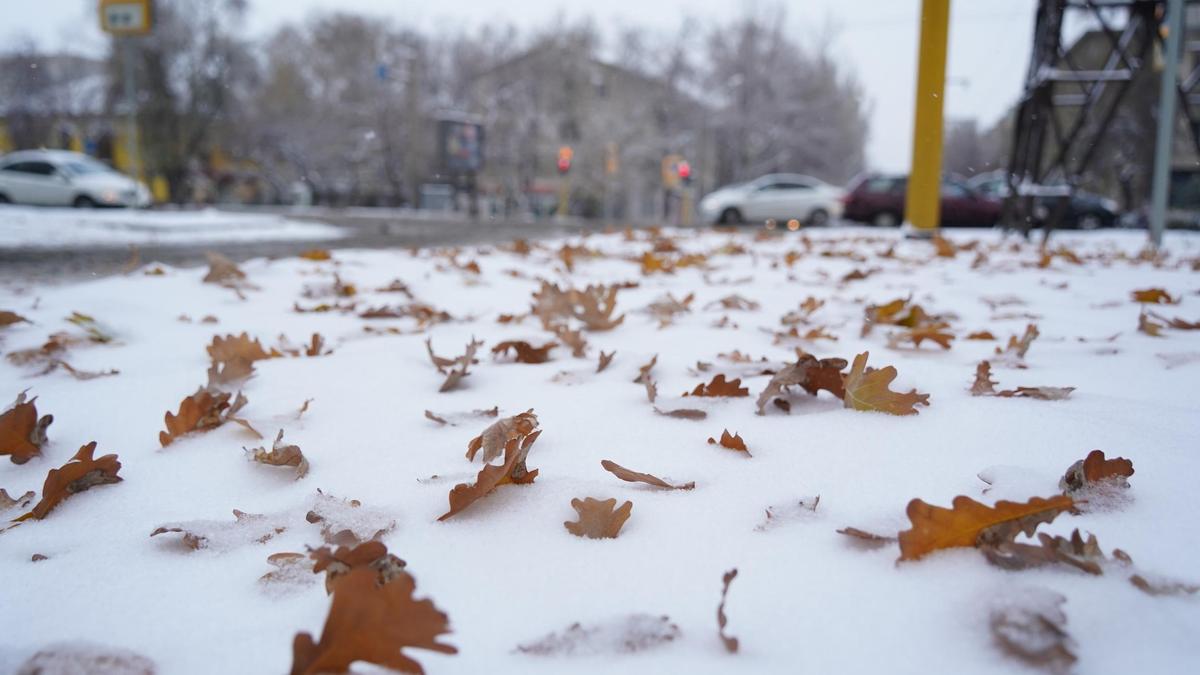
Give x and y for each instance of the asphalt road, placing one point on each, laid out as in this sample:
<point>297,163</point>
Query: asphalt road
<point>363,230</point>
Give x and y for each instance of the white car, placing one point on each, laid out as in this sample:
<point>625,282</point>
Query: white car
<point>778,196</point>
<point>62,178</point>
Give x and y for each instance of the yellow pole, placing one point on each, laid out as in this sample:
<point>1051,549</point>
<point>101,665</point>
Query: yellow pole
<point>923,203</point>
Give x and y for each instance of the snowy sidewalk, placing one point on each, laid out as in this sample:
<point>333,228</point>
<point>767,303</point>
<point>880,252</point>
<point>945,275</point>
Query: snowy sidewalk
<point>201,597</point>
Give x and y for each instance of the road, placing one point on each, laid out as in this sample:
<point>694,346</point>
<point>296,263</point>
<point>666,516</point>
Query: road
<point>364,229</point>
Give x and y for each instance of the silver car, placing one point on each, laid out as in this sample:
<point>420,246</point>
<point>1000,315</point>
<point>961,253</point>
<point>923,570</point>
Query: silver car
<point>778,196</point>
<point>62,178</point>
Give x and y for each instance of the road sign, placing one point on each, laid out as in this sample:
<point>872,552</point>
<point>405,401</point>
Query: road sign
<point>126,17</point>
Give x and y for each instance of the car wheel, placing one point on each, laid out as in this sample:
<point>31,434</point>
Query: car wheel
<point>885,219</point>
<point>1090,221</point>
<point>818,217</point>
<point>83,202</point>
<point>4,199</point>
<point>731,217</point>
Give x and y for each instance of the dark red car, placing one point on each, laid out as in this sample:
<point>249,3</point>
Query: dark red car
<point>879,200</point>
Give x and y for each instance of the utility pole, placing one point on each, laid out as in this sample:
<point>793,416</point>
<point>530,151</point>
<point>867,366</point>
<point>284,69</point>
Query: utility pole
<point>1163,143</point>
<point>922,205</point>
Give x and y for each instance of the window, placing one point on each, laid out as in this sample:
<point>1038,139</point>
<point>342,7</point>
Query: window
<point>83,168</point>
<point>954,191</point>
<point>885,185</point>
<point>32,168</point>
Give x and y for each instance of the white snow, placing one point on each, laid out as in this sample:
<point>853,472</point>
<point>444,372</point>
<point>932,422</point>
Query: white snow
<point>507,572</point>
<point>22,227</point>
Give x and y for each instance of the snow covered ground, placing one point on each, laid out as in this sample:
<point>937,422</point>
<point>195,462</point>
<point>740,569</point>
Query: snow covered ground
<point>23,227</point>
<point>806,599</point>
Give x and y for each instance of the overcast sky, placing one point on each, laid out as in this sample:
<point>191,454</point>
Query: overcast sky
<point>989,41</point>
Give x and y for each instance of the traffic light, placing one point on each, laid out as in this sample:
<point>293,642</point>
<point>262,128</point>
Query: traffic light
<point>564,159</point>
<point>684,170</point>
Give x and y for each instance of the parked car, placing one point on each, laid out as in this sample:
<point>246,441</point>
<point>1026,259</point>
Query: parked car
<point>879,200</point>
<point>62,178</point>
<point>781,196</point>
<point>1085,211</point>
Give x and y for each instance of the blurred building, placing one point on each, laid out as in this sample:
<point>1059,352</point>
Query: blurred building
<point>620,125</point>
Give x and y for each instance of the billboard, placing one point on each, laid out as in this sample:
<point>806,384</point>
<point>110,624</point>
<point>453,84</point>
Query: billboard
<point>460,146</point>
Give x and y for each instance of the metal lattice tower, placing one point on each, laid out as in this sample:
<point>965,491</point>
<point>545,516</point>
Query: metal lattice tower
<point>1067,110</point>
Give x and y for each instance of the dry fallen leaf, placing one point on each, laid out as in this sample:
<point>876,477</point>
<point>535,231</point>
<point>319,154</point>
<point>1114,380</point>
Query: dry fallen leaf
<point>8,318</point>
<point>869,390</point>
<point>915,336</point>
<point>730,642</point>
<point>7,502</point>
<point>984,385</point>
<point>1017,347</point>
<point>525,352</point>
<point>1149,326</point>
<point>201,411</point>
<point>222,270</point>
<point>594,306</point>
<point>1032,628</point>
<point>372,623</point>
<point>1095,469</point>
<point>1154,296</point>
<point>638,477</point>
<point>980,335</point>
<point>605,359</point>
<point>1082,554</point>
<point>969,523</point>
<point>491,476</point>
<point>233,358</point>
<point>246,528</point>
<point>733,442</point>
<point>644,372</point>
<point>454,369</point>
<point>598,519</point>
<point>282,455</point>
<point>370,554</point>
<point>867,539</point>
<point>81,473</point>
<point>810,373</point>
<point>494,438</point>
<point>316,254</point>
<point>22,432</point>
<point>719,387</point>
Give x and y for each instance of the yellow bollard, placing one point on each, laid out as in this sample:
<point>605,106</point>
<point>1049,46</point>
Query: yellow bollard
<point>160,189</point>
<point>922,206</point>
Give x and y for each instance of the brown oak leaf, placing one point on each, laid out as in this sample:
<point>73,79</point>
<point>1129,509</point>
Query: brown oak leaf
<point>638,477</point>
<point>454,369</point>
<point>1094,469</point>
<point>933,332</point>
<point>525,352</point>
<point>1149,326</point>
<point>222,270</point>
<point>201,411</point>
<point>7,502</point>
<point>372,623</point>
<point>980,335</point>
<point>491,476</point>
<point>81,473</point>
<point>8,318</point>
<point>720,387</point>
<point>598,519</point>
<point>809,373</point>
<point>730,642</point>
<point>1032,628</point>
<point>1154,296</point>
<point>594,306</point>
<point>282,455</point>
<point>370,554</point>
<point>22,432</point>
<point>605,360</point>
<point>733,442</point>
<point>869,390</point>
<point>494,438</point>
<point>1018,346</point>
<point>970,523</point>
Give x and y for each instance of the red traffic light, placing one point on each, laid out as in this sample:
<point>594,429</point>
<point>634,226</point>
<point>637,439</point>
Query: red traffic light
<point>564,158</point>
<point>684,169</point>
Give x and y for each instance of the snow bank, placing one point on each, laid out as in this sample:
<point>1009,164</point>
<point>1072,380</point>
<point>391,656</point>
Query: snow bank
<point>22,227</point>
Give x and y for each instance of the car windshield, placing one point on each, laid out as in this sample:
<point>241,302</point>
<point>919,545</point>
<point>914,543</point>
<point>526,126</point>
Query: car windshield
<point>78,167</point>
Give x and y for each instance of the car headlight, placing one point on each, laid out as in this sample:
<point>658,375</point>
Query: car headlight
<point>109,196</point>
<point>1110,205</point>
